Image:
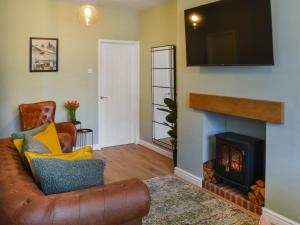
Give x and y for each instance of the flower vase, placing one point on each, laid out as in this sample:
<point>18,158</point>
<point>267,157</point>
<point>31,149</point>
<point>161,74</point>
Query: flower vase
<point>72,115</point>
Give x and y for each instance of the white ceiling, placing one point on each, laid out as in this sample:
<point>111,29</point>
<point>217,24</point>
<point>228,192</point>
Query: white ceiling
<point>133,4</point>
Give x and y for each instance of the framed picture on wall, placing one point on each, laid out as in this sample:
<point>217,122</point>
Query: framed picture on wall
<point>43,54</point>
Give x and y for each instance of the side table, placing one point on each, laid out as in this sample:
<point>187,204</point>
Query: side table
<point>81,136</point>
<point>76,123</point>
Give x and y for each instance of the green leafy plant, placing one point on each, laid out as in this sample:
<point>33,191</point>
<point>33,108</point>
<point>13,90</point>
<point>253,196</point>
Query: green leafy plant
<point>171,118</point>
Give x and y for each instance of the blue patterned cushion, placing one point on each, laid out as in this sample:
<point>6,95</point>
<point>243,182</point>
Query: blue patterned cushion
<point>58,176</point>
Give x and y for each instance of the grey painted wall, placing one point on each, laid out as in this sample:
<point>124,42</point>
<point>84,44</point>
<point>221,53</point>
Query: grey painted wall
<point>280,82</point>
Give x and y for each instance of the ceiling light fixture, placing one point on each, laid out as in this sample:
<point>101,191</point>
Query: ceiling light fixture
<point>87,15</point>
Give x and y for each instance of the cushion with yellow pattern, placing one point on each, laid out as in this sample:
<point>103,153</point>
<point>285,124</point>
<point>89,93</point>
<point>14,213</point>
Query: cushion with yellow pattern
<point>48,137</point>
<point>80,154</point>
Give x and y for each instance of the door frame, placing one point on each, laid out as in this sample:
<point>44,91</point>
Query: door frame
<point>136,83</point>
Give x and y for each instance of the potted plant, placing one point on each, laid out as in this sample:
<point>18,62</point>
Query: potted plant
<point>171,118</point>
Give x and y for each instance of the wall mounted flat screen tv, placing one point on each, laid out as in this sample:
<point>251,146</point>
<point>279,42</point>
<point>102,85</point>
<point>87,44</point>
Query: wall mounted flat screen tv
<point>229,33</point>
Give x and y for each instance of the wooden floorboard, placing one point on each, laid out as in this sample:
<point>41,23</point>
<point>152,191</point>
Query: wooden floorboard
<point>130,161</point>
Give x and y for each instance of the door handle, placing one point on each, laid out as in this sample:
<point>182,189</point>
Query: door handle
<point>103,97</point>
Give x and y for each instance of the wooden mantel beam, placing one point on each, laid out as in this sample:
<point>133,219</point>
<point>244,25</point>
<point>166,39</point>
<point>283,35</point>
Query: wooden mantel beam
<point>268,111</point>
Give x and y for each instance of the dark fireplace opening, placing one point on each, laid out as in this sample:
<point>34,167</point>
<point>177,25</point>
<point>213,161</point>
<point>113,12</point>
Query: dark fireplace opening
<point>240,160</point>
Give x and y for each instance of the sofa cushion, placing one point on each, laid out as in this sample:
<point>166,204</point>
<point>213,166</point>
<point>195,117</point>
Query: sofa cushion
<point>19,145</point>
<point>18,137</point>
<point>59,176</point>
<point>80,154</point>
<point>32,144</point>
<point>50,138</point>
<point>31,132</point>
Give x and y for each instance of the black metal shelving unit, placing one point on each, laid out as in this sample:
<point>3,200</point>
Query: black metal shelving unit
<point>163,86</point>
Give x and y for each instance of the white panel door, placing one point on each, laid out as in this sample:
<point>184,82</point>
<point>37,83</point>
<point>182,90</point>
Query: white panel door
<point>118,92</point>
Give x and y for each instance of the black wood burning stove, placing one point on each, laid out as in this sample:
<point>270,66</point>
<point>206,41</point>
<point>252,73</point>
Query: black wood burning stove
<point>240,160</point>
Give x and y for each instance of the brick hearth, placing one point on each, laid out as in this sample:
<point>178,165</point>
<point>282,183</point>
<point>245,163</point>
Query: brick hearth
<point>233,195</point>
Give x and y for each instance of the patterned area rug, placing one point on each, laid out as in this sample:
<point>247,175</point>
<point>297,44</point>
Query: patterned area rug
<point>175,202</point>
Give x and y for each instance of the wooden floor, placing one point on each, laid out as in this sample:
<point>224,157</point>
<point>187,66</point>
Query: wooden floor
<point>129,161</point>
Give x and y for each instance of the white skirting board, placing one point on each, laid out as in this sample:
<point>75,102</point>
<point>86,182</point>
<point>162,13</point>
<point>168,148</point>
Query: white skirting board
<point>191,178</point>
<point>96,147</point>
<point>155,148</point>
<point>146,144</point>
<point>277,219</point>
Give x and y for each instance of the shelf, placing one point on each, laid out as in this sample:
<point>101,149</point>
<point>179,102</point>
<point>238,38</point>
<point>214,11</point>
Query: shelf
<point>263,110</point>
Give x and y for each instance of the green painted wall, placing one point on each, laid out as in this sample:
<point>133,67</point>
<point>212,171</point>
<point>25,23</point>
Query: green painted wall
<point>78,45</point>
<point>20,20</point>
<point>280,82</point>
<point>157,27</point>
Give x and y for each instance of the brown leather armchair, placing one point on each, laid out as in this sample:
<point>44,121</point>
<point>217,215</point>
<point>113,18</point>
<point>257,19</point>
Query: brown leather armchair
<point>36,114</point>
<point>22,202</point>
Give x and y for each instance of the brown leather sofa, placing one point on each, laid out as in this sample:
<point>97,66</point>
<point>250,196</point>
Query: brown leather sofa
<point>36,114</point>
<point>23,203</point>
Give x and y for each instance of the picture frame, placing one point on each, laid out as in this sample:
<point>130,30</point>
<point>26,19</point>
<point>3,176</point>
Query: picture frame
<point>43,54</point>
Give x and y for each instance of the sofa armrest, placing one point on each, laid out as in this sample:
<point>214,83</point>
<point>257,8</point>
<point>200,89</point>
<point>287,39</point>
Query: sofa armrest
<point>112,204</point>
<point>67,127</point>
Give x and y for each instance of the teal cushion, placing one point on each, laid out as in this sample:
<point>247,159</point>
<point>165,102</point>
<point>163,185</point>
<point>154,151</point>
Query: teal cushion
<point>32,132</point>
<point>59,176</point>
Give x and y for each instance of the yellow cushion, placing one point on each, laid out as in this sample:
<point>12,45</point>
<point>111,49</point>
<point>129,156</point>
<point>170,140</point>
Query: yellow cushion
<point>19,145</point>
<point>82,153</point>
<point>49,137</point>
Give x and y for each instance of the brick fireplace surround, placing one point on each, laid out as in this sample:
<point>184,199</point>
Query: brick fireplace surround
<point>232,195</point>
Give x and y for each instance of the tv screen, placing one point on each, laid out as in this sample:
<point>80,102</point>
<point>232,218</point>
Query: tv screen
<point>229,33</point>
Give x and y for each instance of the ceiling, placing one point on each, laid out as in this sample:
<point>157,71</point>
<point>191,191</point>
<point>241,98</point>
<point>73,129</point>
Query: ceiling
<point>133,4</point>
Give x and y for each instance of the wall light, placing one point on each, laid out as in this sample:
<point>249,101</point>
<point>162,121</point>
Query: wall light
<point>87,15</point>
<point>195,20</point>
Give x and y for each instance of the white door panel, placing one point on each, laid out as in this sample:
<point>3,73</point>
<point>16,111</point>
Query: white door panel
<point>118,100</point>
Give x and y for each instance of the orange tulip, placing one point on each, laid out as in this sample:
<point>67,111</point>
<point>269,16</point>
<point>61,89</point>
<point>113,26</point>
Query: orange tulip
<point>71,105</point>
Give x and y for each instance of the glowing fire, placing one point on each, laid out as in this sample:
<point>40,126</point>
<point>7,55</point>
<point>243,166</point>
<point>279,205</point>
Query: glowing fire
<point>234,164</point>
